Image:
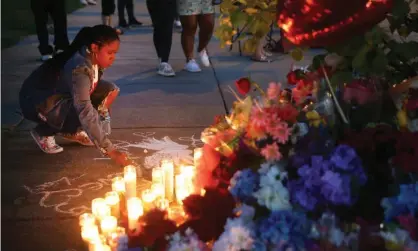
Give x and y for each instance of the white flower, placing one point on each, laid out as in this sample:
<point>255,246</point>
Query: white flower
<point>189,242</point>
<point>272,193</point>
<point>236,237</point>
<point>246,213</point>
<point>336,236</point>
<point>300,130</point>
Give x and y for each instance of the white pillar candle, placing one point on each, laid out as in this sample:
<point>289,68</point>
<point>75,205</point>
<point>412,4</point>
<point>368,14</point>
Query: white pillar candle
<point>162,204</point>
<point>135,210</point>
<point>168,169</point>
<point>118,184</point>
<point>130,181</point>
<point>99,208</point>
<point>87,219</point>
<point>189,173</point>
<point>112,200</point>
<point>148,198</point>
<point>108,224</point>
<point>157,175</point>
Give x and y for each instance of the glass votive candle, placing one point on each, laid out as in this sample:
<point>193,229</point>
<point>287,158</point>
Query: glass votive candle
<point>87,219</point>
<point>158,190</point>
<point>157,175</point>
<point>118,184</point>
<point>148,198</point>
<point>135,210</point>
<point>176,214</point>
<point>112,200</point>
<point>130,181</point>
<point>108,224</point>
<point>90,233</point>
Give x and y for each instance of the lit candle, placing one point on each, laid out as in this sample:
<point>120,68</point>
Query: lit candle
<point>147,198</point>
<point>90,233</point>
<point>181,194</point>
<point>188,171</point>
<point>135,210</point>
<point>99,208</point>
<point>118,184</point>
<point>162,204</point>
<point>108,224</point>
<point>87,219</point>
<point>112,200</point>
<point>176,214</point>
<point>130,181</point>
<point>197,155</point>
<point>158,190</point>
<point>118,239</point>
<point>157,175</point>
<point>168,169</point>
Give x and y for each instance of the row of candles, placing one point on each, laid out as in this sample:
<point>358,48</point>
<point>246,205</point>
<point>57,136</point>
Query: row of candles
<point>100,229</point>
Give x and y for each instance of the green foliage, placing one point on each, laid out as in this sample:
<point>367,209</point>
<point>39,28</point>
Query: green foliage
<point>245,20</point>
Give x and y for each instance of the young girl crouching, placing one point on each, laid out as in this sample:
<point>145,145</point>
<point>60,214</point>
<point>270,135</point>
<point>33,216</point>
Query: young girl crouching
<point>66,95</point>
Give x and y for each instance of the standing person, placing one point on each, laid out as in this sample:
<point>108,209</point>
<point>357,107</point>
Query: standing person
<point>195,13</point>
<point>56,9</point>
<point>66,95</point>
<point>132,21</point>
<point>108,9</point>
<point>162,14</point>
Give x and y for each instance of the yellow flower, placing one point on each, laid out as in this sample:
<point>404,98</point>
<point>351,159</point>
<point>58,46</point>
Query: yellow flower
<point>402,118</point>
<point>228,42</point>
<point>251,11</point>
<point>314,118</point>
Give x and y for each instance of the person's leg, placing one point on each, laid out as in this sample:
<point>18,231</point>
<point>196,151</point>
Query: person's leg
<point>39,9</point>
<point>121,13</point>
<point>59,17</point>
<point>189,24</point>
<point>155,14</point>
<point>108,9</point>
<point>131,16</point>
<point>206,24</point>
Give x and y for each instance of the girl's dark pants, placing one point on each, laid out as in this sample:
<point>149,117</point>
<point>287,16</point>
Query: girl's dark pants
<point>71,123</point>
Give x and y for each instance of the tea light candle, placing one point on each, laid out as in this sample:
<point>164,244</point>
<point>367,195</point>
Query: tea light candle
<point>135,210</point>
<point>108,224</point>
<point>168,169</point>
<point>90,233</point>
<point>158,190</point>
<point>87,219</point>
<point>130,181</point>
<point>118,184</point>
<point>99,208</point>
<point>112,200</point>
<point>147,198</point>
<point>157,175</point>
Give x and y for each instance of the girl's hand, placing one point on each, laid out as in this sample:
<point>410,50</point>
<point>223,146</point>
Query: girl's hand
<point>120,158</point>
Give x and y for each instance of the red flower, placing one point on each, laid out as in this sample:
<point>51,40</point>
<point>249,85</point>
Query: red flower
<point>208,213</point>
<point>155,227</point>
<point>328,70</point>
<point>243,85</point>
<point>407,152</point>
<point>294,76</point>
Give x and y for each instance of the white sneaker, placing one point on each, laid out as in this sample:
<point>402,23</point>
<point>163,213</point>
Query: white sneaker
<point>192,66</point>
<point>47,144</point>
<point>92,2</point>
<point>165,69</point>
<point>204,58</point>
<point>84,2</point>
<point>46,57</point>
<point>177,24</point>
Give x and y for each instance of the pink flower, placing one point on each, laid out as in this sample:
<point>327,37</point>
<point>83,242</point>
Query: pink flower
<point>409,223</point>
<point>274,90</point>
<point>281,133</point>
<point>271,152</point>
<point>258,117</point>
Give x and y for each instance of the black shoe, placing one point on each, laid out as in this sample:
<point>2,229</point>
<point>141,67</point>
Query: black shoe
<point>134,23</point>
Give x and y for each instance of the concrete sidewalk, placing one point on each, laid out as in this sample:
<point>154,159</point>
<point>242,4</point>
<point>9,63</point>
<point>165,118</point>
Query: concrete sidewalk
<point>154,118</point>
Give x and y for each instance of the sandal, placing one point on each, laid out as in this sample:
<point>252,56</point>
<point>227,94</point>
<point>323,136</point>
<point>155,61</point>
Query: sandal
<point>262,59</point>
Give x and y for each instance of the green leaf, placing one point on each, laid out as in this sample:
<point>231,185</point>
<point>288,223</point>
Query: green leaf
<point>238,18</point>
<point>375,36</point>
<point>317,61</point>
<point>297,54</point>
<point>400,9</point>
<point>341,77</point>
<point>380,62</point>
<point>360,60</point>
<point>407,50</point>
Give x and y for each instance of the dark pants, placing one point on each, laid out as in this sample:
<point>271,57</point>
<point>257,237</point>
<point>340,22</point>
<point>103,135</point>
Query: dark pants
<point>129,5</point>
<point>108,7</point>
<point>162,14</point>
<point>71,123</point>
<point>56,9</point>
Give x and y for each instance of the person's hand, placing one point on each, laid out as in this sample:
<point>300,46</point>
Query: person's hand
<point>120,158</point>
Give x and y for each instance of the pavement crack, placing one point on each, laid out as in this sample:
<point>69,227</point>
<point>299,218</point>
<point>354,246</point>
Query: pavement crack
<point>218,83</point>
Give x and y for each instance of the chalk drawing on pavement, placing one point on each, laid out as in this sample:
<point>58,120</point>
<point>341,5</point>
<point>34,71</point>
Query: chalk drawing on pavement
<point>156,150</point>
<point>61,193</point>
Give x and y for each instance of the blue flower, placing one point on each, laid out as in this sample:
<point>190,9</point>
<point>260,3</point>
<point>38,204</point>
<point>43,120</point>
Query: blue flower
<point>346,159</point>
<point>243,184</point>
<point>287,226</point>
<point>405,203</point>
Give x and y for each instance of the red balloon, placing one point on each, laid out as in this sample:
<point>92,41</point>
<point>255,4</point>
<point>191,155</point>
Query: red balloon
<point>327,22</point>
